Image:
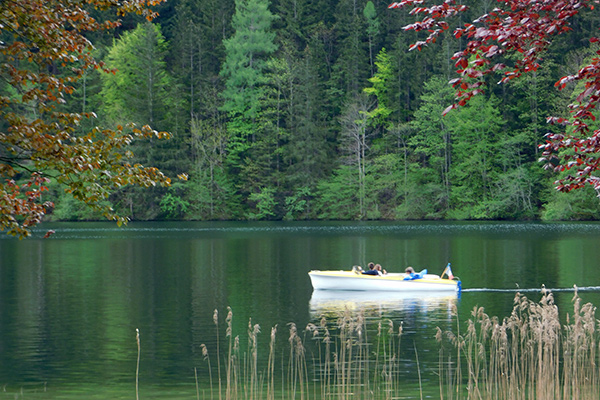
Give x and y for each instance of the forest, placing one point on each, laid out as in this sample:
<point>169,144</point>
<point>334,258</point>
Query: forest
<point>318,109</point>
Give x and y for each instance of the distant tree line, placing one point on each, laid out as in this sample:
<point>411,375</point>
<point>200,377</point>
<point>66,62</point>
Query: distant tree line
<point>316,109</point>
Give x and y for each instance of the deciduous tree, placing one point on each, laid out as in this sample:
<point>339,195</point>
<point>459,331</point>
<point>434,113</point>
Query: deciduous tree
<point>44,51</point>
<point>525,30</point>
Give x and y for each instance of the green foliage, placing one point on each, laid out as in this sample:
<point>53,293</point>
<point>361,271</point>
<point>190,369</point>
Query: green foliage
<point>140,90</point>
<point>245,60</point>
<point>172,204</point>
<point>45,52</point>
<point>432,141</point>
<point>421,197</point>
<point>385,178</point>
<point>475,130</point>
<point>337,196</point>
<point>579,206</point>
<point>381,90</point>
<point>264,204</point>
<point>295,110</point>
<point>311,140</point>
<point>66,208</point>
<point>297,205</point>
<point>212,196</point>
<point>244,70</point>
<point>515,194</point>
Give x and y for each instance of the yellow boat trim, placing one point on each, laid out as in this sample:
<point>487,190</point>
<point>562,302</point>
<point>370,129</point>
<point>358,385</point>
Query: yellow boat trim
<point>388,277</point>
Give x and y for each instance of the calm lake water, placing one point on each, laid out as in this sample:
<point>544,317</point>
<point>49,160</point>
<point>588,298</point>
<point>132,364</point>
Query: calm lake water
<point>70,305</point>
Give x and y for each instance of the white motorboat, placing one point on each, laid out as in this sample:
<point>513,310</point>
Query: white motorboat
<point>395,282</point>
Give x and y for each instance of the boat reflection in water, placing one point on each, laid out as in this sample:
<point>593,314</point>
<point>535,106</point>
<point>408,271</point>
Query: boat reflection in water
<point>330,303</point>
<point>379,333</point>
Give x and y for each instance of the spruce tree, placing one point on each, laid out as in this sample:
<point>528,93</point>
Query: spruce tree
<point>244,70</point>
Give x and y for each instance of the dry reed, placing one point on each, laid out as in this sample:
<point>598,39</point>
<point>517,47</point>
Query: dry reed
<point>343,365</point>
<point>528,355</point>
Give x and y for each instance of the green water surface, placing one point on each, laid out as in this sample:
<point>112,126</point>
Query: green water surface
<point>70,305</point>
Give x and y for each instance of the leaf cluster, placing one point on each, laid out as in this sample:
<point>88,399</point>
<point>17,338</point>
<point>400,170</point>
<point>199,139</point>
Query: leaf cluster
<point>522,32</point>
<point>44,52</point>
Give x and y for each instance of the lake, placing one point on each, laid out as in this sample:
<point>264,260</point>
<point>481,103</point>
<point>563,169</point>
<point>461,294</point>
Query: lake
<point>70,305</point>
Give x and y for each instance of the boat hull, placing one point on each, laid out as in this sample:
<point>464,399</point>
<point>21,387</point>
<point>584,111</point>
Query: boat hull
<point>348,280</point>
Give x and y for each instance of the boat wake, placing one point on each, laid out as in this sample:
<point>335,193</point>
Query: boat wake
<point>533,290</point>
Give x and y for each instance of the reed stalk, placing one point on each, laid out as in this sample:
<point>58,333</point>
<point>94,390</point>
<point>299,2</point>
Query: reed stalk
<point>342,364</point>
<point>418,371</point>
<point>229,369</point>
<point>529,355</point>
<point>137,368</point>
<point>271,365</point>
<point>216,322</point>
<point>197,386</point>
<point>207,359</point>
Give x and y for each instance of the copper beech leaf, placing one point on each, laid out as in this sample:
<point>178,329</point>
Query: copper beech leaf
<point>524,30</point>
<point>39,144</point>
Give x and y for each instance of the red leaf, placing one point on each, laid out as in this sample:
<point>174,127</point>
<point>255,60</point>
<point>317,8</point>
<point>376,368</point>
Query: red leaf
<point>454,82</point>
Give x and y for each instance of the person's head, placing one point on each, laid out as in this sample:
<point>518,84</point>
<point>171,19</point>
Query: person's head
<point>378,267</point>
<point>371,265</point>
<point>410,270</point>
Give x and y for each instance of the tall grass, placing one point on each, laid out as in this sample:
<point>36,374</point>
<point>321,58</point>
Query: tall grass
<point>340,366</point>
<point>527,355</point>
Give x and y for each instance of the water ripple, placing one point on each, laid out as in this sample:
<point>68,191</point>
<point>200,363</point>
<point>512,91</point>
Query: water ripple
<point>534,290</point>
<point>144,230</point>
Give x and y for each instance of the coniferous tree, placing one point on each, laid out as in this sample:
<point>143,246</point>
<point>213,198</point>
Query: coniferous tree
<point>310,146</point>
<point>244,69</point>
<point>387,153</point>
<point>142,91</point>
<point>351,68</point>
<point>433,149</point>
<point>370,14</point>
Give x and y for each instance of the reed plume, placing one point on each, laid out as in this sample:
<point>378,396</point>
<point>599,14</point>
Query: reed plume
<point>529,355</point>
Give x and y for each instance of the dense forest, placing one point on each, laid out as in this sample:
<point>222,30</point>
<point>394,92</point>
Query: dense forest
<point>316,109</point>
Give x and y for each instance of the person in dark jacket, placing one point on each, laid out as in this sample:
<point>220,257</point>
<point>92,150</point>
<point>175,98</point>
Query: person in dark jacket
<point>372,270</point>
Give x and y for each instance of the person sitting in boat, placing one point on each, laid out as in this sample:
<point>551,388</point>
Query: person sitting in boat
<point>372,270</point>
<point>380,269</point>
<point>410,274</point>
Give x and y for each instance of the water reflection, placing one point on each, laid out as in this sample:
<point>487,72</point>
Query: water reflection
<point>406,321</point>
<point>329,302</point>
<point>69,305</point>
<point>420,314</point>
